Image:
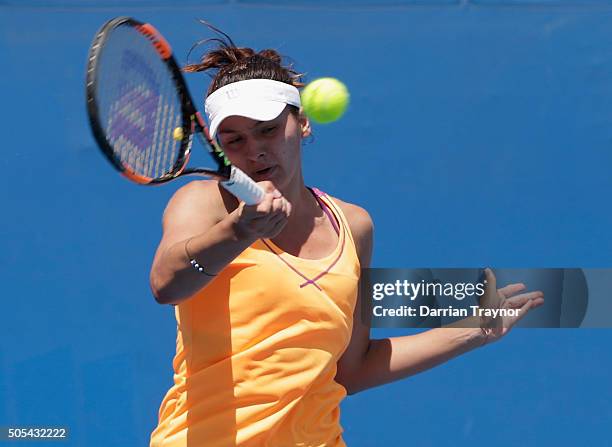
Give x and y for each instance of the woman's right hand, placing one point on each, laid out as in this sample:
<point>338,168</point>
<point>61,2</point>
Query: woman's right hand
<point>264,220</point>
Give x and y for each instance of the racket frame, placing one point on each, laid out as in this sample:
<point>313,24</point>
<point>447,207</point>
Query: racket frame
<point>192,121</point>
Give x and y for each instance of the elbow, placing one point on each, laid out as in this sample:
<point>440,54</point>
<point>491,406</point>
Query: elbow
<point>170,288</point>
<point>352,389</point>
<point>157,292</point>
<point>160,298</point>
<point>159,289</point>
<point>349,385</point>
<point>164,298</point>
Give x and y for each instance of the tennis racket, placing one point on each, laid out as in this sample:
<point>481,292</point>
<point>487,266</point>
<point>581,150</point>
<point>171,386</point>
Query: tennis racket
<point>142,115</point>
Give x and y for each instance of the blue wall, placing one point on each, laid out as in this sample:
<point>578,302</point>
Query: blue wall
<point>494,127</point>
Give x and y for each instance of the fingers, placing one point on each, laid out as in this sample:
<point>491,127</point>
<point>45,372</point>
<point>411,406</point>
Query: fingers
<point>511,289</point>
<point>490,278</point>
<point>506,291</point>
<point>521,313</point>
<point>280,205</point>
<point>267,218</point>
<point>519,300</point>
<point>266,205</point>
<point>269,208</point>
<point>268,187</point>
<point>524,303</point>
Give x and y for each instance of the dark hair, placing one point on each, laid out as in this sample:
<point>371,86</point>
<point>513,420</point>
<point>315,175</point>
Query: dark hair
<point>232,64</point>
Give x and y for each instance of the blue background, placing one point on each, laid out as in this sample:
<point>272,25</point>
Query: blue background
<point>479,133</point>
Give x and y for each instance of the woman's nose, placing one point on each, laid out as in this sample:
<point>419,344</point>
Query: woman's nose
<point>256,151</point>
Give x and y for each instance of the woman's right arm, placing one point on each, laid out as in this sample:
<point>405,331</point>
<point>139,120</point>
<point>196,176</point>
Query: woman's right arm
<point>197,217</point>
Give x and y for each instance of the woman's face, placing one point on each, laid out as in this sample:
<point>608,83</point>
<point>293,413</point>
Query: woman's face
<point>264,150</point>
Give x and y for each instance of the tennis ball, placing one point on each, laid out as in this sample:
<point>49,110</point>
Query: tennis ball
<point>325,100</point>
<point>178,134</point>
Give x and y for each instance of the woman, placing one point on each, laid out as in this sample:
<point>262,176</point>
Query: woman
<point>270,337</point>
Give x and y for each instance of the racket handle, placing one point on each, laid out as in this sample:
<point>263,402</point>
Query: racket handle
<point>243,187</point>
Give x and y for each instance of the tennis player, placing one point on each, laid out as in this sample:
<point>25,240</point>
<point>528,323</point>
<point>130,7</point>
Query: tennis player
<point>270,337</point>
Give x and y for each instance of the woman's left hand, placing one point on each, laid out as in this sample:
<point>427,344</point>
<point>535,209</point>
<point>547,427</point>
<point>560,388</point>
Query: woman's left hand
<point>494,329</point>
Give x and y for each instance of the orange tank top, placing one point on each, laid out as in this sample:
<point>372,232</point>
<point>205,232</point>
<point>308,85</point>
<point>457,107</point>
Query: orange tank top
<point>257,348</point>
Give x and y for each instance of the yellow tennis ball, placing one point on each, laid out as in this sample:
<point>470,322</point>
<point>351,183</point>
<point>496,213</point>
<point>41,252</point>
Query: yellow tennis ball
<point>325,100</point>
<point>178,134</point>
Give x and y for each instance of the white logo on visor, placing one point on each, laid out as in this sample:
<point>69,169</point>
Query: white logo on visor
<point>232,93</point>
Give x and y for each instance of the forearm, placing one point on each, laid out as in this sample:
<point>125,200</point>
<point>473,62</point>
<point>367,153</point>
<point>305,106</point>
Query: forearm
<point>174,279</point>
<point>391,359</point>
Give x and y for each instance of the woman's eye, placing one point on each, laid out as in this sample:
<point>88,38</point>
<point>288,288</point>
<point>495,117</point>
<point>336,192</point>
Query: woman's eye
<point>234,140</point>
<point>269,129</point>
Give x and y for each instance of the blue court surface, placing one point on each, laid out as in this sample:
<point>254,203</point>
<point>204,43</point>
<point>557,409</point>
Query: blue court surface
<point>479,133</point>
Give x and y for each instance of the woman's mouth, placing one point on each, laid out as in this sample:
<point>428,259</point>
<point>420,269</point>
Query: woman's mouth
<point>264,174</point>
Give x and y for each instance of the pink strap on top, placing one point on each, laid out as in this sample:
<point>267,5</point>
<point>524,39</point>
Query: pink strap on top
<point>318,194</point>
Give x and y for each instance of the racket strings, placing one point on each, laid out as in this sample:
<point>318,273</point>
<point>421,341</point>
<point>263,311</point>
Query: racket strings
<point>138,103</point>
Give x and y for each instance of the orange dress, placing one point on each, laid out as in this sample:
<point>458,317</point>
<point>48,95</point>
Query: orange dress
<point>257,349</point>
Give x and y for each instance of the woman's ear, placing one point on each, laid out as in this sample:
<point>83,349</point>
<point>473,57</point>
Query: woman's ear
<point>304,124</point>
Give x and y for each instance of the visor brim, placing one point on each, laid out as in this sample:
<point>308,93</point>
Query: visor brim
<point>259,111</point>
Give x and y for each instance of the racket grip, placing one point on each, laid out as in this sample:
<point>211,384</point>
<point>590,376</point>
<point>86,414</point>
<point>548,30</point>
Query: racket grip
<point>243,187</point>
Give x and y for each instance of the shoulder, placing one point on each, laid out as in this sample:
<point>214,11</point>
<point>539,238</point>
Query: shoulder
<point>361,226</point>
<point>196,201</point>
<point>358,218</point>
<point>198,190</point>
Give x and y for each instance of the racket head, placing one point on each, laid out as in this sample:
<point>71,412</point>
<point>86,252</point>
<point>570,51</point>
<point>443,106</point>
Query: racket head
<point>136,101</point>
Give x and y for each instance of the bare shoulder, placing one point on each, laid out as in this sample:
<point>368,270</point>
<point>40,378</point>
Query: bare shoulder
<point>198,203</point>
<point>358,218</point>
<point>361,226</point>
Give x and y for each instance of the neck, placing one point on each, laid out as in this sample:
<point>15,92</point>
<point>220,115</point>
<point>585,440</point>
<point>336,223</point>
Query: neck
<point>304,207</point>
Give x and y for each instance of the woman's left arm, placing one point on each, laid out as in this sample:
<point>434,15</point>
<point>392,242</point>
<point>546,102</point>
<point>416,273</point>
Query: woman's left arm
<point>368,363</point>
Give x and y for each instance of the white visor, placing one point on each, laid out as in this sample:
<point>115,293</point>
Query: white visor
<point>258,99</point>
